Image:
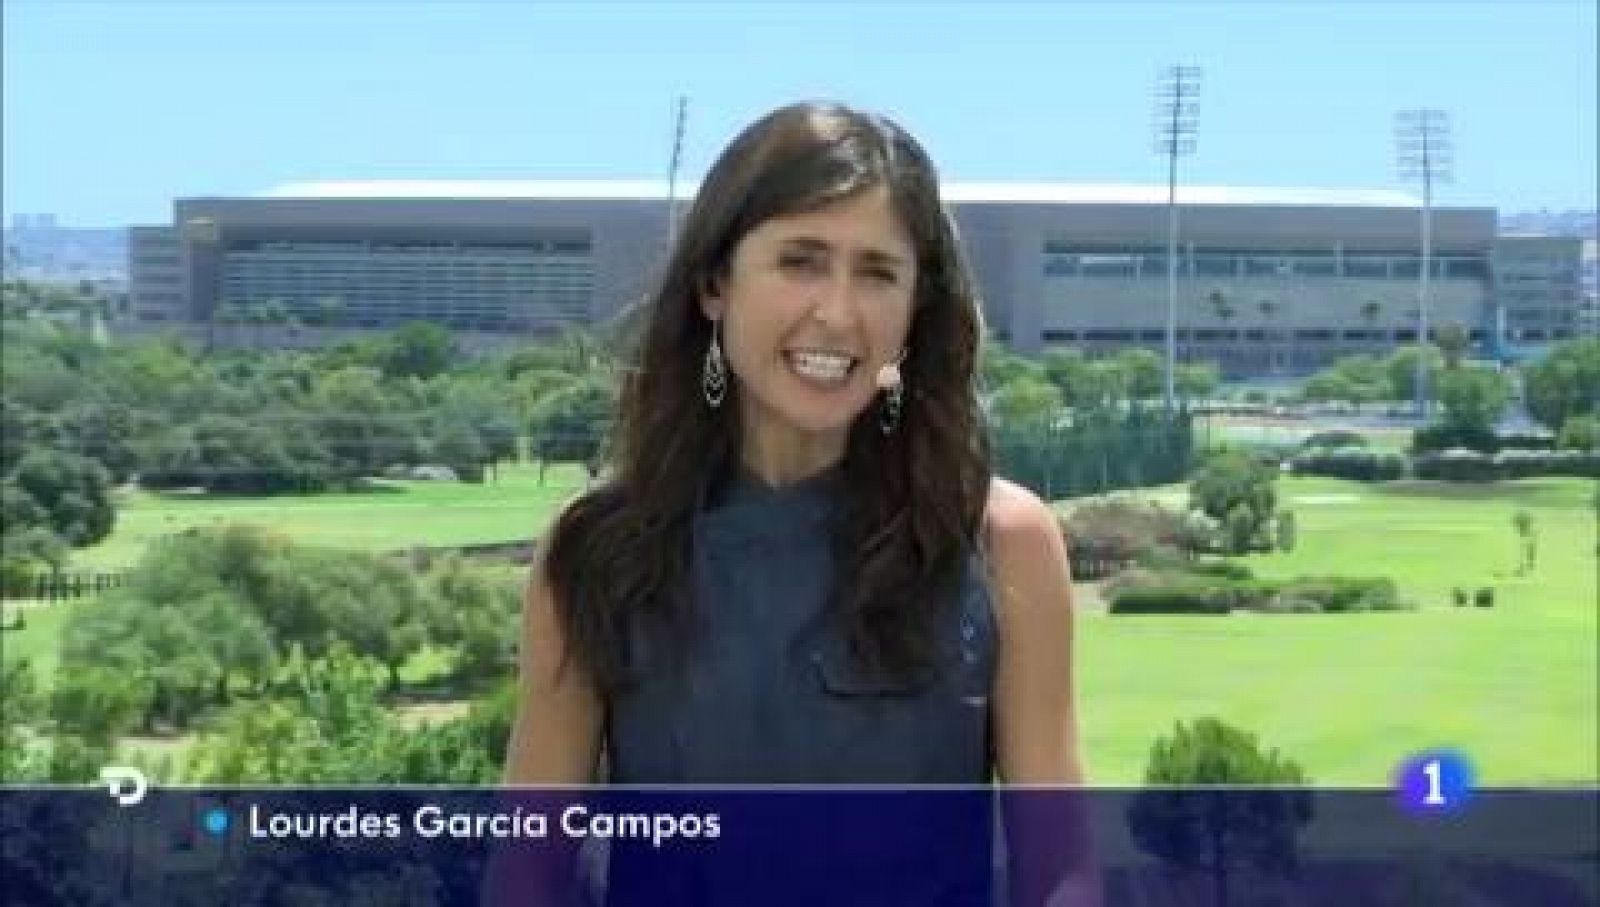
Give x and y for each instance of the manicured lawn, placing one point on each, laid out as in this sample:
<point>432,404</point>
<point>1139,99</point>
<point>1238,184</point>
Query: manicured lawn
<point>1251,431</point>
<point>393,516</point>
<point>39,639</point>
<point>1350,695</point>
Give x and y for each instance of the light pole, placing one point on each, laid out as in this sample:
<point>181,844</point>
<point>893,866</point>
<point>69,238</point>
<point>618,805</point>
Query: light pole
<point>672,170</point>
<point>1422,144</point>
<point>1176,109</point>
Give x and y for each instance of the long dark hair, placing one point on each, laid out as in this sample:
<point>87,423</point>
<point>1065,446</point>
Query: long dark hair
<point>618,560</point>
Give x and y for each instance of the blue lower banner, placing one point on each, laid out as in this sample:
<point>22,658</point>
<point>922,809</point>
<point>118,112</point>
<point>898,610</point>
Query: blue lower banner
<point>961,847</point>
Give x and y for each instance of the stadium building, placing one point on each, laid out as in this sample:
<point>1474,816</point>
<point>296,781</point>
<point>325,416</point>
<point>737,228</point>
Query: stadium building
<point>1270,281</point>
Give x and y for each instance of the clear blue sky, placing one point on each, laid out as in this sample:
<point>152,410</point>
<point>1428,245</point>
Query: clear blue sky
<point>112,108</point>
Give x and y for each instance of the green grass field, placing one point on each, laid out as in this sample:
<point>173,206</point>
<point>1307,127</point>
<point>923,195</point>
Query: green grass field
<point>1251,431</point>
<point>1347,695</point>
<point>394,515</point>
<point>1350,695</point>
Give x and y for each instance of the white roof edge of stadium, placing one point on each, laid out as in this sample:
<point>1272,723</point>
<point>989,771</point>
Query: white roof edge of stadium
<point>1014,193</point>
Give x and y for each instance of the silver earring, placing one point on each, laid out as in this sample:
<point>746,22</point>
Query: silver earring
<point>889,416</point>
<point>714,372</point>
<point>894,386</point>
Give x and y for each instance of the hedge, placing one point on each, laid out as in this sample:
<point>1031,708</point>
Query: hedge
<point>1306,594</point>
<point>1350,463</point>
<point>1461,465</point>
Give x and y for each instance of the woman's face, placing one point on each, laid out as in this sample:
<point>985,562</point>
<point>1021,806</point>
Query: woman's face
<point>813,306</point>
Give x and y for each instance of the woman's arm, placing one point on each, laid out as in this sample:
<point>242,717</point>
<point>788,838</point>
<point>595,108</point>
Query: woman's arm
<point>555,739</point>
<point>1049,847</point>
<point>555,742</point>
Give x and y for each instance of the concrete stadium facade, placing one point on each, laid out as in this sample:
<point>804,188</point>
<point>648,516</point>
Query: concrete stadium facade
<point>1270,281</point>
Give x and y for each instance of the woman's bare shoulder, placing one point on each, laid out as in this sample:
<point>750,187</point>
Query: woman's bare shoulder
<point>1013,511</point>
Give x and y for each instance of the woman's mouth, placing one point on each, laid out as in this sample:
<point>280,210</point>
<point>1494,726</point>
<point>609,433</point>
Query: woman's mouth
<point>820,366</point>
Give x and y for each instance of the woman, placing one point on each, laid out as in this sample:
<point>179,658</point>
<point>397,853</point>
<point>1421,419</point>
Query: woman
<point>802,570</point>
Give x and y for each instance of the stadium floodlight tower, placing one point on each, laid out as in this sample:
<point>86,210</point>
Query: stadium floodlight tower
<point>678,123</point>
<point>1176,112</point>
<point>1422,144</point>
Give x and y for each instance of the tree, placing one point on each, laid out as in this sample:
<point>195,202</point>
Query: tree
<point>1106,385</point>
<point>1026,400</point>
<point>72,493</point>
<point>1453,341</point>
<point>1197,380</point>
<point>328,312</point>
<point>360,426</point>
<point>1402,369</point>
<point>571,424</point>
<point>27,552</point>
<point>1472,399</point>
<point>998,365</point>
<point>104,433</point>
<point>1527,548</point>
<point>23,707</point>
<point>1239,493</point>
<point>1220,832</point>
<point>97,703</point>
<point>477,615</point>
<point>418,349</point>
<point>1579,433</point>
<point>460,446</point>
<point>1288,531</point>
<point>486,407</point>
<point>1565,383</point>
<point>1143,373</point>
<point>1069,370</point>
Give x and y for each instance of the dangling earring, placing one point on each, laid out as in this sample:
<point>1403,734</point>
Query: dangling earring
<point>889,417</point>
<point>893,385</point>
<point>714,372</point>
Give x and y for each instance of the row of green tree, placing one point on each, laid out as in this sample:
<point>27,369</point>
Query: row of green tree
<point>1559,388</point>
<point>229,621</point>
<point>80,414</point>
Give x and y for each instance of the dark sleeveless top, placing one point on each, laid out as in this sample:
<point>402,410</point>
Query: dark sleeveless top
<point>769,693</point>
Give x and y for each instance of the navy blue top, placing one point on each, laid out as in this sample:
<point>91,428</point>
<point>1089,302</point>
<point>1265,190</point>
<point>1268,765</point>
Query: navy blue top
<point>769,694</point>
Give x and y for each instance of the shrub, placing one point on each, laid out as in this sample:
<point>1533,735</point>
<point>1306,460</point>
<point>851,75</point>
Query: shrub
<point>1180,598</point>
<point>1580,433</point>
<point>1131,578</point>
<point>1340,594</point>
<point>1521,464</point>
<point>1288,605</point>
<point>1484,597</point>
<point>1156,593</point>
<point>1333,439</point>
<point>1462,599</point>
<point>1456,465</point>
<point>1241,494</point>
<point>1434,438</point>
<point>1108,532</point>
<point>1517,441</point>
<point>1223,569</point>
<point>1350,463</point>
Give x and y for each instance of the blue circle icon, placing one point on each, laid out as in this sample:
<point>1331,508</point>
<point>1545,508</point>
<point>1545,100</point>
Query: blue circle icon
<point>1436,781</point>
<point>216,821</point>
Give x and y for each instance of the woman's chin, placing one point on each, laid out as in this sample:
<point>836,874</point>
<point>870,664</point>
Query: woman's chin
<point>816,418</point>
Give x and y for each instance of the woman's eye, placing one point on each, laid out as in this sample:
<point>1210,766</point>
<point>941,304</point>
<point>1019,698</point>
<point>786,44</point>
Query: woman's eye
<point>799,263</point>
<point>883,275</point>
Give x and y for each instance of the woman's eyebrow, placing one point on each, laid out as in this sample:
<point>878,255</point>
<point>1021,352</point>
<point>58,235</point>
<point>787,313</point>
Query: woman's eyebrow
<point>817,244</point>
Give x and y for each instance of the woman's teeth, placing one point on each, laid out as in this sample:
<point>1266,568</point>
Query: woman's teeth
<point>820,366</point>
